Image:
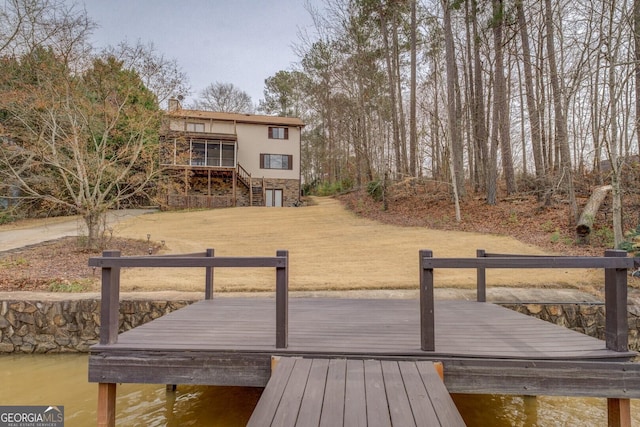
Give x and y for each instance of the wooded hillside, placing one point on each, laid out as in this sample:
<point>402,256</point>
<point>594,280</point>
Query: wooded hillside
<point>489,99</point>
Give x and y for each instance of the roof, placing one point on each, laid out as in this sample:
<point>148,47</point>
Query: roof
<point>237,117</point>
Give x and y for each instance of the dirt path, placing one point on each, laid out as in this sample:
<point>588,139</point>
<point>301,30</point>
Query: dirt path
<point>330,249</point>
<point>31,232</point>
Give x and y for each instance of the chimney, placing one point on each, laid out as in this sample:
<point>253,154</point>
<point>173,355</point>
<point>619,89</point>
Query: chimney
<point>174,104</point>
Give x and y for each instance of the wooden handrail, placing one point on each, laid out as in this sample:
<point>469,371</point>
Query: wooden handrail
<point>615,264</point>
<point>111,262</point>
<point>186,262</point>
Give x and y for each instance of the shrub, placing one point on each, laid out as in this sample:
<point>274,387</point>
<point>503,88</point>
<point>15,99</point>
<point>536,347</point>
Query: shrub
<point>375,189</point>
<point>69,286</point>
<point>632,244</point>
<point>326,188</point>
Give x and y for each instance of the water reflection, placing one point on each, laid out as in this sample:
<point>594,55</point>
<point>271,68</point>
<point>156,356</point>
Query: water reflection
<point>62,380</point>
<point>541,411</point>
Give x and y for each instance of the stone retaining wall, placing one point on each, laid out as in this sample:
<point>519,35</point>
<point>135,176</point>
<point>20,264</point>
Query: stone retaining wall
<point>67,326</point>
<point>73,325</point>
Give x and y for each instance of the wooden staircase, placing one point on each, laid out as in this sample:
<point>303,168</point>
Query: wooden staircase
<point>255,187</point>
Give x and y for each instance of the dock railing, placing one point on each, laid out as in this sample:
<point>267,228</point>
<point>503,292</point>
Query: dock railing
<point>111,262</point>
<point>615,264</point>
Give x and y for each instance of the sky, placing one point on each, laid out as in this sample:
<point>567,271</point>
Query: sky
<point>242,42</point>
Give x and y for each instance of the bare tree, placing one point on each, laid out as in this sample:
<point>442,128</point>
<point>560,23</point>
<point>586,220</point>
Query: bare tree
<point>532,107</point>
<point>83,143</point>
<point>636,38</point>
<point>160,75</point>
<point>501,102</point>
<point>26,25</point>
<point>413,128</point>
<point>562,140</point>
<point>454,109</point>
<point>224,97</point>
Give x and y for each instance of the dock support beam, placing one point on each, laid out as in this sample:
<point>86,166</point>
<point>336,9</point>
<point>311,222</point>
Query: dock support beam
<point>106,405</point>
<point>619,412</point>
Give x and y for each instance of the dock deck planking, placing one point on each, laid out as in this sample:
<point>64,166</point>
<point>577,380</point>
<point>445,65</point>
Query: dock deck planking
<point>350,327</point>
<point>356,393</point>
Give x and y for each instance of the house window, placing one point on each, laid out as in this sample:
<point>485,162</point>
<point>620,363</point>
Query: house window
<point>278,133</point>
<point>276,161</point>
<point>195,127</point>
<point>212,153</point>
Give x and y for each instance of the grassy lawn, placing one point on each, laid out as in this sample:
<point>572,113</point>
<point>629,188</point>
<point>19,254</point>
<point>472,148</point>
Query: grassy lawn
<point>330,248</point>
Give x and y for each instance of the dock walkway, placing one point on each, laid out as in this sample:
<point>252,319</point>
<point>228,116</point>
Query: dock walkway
<point>340,392</point>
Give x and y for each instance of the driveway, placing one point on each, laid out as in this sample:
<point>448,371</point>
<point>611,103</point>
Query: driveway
<point>14,238</point>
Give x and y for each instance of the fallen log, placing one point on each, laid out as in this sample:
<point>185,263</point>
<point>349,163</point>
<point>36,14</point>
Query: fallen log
<point>585,223</point>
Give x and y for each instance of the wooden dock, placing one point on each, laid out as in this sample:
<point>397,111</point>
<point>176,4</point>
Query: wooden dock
<point>484,348</point>
<point>354,393</point>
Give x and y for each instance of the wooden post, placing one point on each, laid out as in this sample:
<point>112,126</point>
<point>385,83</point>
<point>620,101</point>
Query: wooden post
<point>274,363</point>
<point>106,405</point>
<point>530,410</point>
<point>427,319</point>
<point>110,301</point>
<point>186,186</point>
<point>481,281</point>
<point>208,281</point>
<point>234,188</point>
<point>619,412</point>
<point>439,367</point>
<point>617,331</point>
<point>282,301</point>
<point>615,294</point>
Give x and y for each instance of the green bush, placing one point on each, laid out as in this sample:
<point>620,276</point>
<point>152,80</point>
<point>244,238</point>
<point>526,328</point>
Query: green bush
<point>632,244</point>
<point>6,217</point>
<point>375,189</point>
<point>69,286</point>
<point>326,188</point>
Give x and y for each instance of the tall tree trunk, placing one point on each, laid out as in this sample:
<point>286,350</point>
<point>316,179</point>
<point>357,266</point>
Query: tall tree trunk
<point>534,113</point>
<point>392,92</point>
<point>478,116</point>
<point>413,127</point>
<point>596,126</point>
<point>636,38</point>
<point>453,104</point>
<point>436,157</point>
<point>398,79</point>
<point>562,141</point>
<point>501,100</point>
<point>616,192</point>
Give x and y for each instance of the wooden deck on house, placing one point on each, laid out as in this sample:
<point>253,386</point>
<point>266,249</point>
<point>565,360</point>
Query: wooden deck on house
<point>340,392</point>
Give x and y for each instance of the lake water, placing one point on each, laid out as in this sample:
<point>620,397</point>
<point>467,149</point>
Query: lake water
<point>62,380</point>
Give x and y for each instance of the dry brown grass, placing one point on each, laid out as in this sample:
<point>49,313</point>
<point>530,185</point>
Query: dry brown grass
<point>329,247</point>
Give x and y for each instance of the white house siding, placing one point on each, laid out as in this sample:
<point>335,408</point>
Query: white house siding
<point>253,140</point>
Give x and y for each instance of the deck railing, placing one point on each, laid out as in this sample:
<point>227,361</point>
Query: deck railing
<point>615,264</point>
<point>111,262</point>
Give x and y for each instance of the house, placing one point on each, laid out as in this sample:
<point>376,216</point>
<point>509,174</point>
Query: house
<point>214,159</point>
